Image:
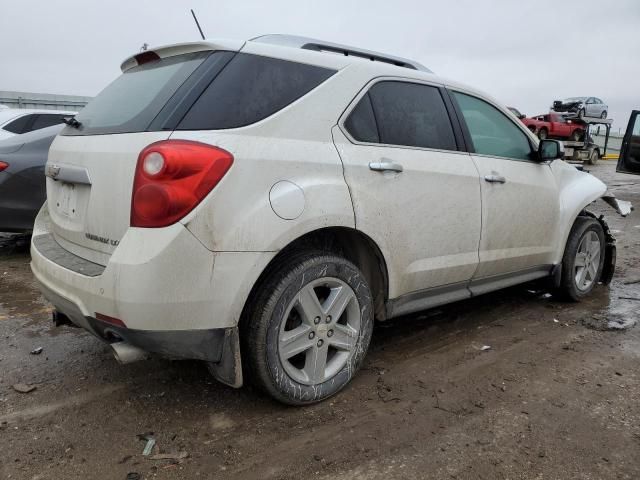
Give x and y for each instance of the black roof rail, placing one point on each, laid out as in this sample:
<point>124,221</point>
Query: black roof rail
<point>322,46</point>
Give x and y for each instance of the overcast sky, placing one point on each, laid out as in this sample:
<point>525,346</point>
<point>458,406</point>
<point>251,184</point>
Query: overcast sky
<point>525,53</point>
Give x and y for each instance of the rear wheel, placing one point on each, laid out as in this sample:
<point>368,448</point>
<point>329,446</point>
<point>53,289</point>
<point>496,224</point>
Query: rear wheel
<point>543,133</point>
<point>603,114</point>
<point>577,135</point>
<point>309,328</point>
<point>583,258</point>
<point>593,157</point>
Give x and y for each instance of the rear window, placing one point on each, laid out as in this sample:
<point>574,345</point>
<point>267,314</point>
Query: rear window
<point>132,101</point>
<point>249,89</point>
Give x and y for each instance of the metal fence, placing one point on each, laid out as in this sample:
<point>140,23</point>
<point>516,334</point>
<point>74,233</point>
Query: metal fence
<point>46,101</point>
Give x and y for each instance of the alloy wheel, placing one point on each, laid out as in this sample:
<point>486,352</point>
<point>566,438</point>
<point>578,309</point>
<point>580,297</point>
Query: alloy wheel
<point>587,261</point>
<point>319,331</point>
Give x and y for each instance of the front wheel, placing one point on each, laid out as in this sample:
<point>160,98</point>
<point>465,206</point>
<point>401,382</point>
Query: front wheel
<point>543,133</point>
<point>581,113</point>
<point>309,328</point>
<point>576,135</point>
<point>583,258</point>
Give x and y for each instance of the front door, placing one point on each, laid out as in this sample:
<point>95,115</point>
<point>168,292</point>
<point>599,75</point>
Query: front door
<point>414,192</point>
<point>520,201</point>
<point>629,161</point>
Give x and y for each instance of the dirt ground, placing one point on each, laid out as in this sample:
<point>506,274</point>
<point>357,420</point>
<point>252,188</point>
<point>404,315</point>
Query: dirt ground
<point>557,396</point>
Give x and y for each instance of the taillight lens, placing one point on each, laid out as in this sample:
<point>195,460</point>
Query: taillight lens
<point>172,177</point>
<point>3,166</point>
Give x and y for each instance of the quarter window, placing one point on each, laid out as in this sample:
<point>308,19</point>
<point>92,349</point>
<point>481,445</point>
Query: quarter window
<point>249,89</point>
<point>411,114</point>
<point>491,131</point>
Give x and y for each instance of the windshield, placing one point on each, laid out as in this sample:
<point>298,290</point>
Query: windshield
<point>132,101</point>
<point>574,99</point>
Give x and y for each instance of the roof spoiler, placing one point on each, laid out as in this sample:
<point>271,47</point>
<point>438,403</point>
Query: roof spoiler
<point>179,49</point>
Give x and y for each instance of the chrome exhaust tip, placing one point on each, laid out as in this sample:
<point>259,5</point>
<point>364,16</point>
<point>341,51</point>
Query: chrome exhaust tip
<point>126,353</point>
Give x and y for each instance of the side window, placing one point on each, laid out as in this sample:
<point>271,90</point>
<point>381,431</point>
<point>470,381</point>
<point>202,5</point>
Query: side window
<point>249,89</point>
<point>491,131</point>
<point>411,114</point>
<point>19,125</point>
<point>45,120</point>
<point>361,123</point>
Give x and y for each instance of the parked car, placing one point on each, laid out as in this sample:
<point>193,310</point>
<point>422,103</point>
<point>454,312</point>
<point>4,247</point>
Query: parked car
<point>22,180</point>
<point>264,201</point>
<point>517,113</point>
<point>15,121</point>
<point>582,107</point>
<point>555,125</point>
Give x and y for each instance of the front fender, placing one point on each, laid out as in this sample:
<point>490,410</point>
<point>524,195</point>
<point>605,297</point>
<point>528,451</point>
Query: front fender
<point>576,191</point>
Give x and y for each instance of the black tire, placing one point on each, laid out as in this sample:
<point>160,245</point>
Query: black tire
<point>594,156</point>
<point>603,115</point>
<point>581,113</point>
<point>265,322</point>
<point>577,135</point>
<point>543,133</point>
<point>582,228</point>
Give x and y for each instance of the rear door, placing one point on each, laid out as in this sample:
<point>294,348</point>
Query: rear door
<point>629,160</point>
<point>520,201</point>
<point>414,192</point>
<point>91,167</point>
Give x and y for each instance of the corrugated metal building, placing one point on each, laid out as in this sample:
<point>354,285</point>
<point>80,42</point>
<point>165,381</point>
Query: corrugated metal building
<point>45,101</point>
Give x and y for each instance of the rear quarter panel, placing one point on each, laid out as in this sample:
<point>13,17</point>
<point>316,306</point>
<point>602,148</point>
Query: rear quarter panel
<point>293,145</point>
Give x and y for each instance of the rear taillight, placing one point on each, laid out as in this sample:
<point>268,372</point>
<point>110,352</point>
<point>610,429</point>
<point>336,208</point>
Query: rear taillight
<point>172,177</point>
<point>3,166</point>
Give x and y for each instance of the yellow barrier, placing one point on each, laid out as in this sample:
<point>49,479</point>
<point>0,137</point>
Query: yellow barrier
<point>610,156</point>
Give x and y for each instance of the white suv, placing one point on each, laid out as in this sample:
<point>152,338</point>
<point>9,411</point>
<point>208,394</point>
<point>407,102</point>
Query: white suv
<point>258,204</point>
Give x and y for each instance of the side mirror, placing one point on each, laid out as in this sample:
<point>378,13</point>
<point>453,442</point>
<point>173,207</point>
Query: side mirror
<point>550,150</point>
<point>521,116</point>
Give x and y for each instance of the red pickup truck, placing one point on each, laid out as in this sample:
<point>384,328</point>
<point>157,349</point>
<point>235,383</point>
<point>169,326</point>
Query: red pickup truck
<point>554,125</point>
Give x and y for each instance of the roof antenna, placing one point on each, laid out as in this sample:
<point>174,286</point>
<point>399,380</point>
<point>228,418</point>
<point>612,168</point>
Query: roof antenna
<point>197,23</point>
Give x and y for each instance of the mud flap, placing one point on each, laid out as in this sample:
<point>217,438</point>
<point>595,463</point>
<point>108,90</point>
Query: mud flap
<point>229,369</point>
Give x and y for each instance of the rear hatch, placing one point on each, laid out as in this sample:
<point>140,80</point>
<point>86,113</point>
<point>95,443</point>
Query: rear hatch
<point>92,163</point>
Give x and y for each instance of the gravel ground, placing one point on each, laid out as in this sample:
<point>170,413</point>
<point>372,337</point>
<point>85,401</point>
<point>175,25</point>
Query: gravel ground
<point>555,397</point>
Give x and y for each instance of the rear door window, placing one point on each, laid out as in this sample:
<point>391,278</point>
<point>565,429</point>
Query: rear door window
<point>249,89</point>
<point>361,123</point>
<point>492,132</point>
<point>132,101</point>
<point>19,125</point>
<point>413,115</point>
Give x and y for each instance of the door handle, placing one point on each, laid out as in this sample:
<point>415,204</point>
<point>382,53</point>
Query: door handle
<point>493,178</point>
<point>385,166</point>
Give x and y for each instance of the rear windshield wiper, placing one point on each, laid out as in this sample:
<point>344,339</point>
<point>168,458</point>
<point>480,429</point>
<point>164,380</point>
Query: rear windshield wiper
<point>72,122</point>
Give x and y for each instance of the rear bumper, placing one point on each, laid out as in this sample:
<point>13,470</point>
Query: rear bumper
<point>203,344</point>
<point>175,297</point>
